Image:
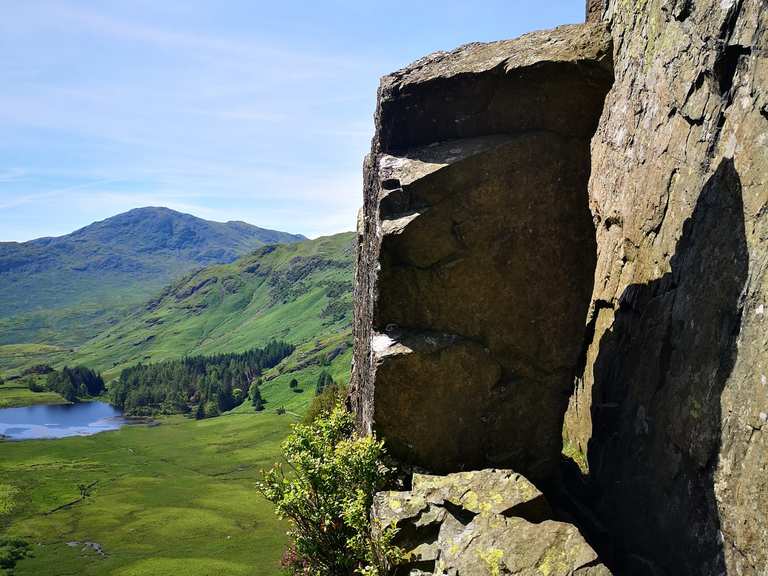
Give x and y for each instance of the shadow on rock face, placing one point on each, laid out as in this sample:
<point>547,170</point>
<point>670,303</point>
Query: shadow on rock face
<point>656,407</point>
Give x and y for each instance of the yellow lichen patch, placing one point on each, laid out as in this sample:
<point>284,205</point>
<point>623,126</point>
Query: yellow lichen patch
<point>395,504</point>
<point>7,498</point>
<point>470,500</point>
<point>492,558</point>
<point>527,490</point>
<point>553,561</point>
<point>573,451</point>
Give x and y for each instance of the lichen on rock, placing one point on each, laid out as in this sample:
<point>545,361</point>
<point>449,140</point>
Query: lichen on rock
<point>489,522</point>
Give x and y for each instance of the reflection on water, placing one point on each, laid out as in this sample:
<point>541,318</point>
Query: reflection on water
<point>60,421</point>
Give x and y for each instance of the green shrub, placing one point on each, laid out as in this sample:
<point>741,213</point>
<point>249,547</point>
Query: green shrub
<point>34,385</point>
<point>327,497</point>
<point>12,550</point>
<point>325,402</point>
<point>211,409</point>
<point>256,400</point>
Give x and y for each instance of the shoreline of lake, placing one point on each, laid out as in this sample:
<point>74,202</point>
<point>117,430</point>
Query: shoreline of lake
<point>56,421</point>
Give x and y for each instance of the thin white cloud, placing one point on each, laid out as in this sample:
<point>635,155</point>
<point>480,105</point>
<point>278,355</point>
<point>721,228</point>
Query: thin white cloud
<point>11,175</point>
<point>21,200</point>
<point>97,23</point>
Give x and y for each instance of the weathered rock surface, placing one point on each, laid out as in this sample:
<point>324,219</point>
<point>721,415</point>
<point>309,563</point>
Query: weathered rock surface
<point>479,523</point>
<point>477,248</point>
<point>673,397</point>
<point>480,154</point>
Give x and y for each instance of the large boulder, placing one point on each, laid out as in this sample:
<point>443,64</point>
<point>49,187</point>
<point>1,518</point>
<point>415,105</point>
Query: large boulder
<point>477,251</point>
<point>479,523</point>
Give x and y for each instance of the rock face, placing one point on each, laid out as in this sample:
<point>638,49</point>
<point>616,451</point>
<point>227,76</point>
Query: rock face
<point>671,405</point>
<point>480,523</point>
<point>500,256</point>
<point>480,154</point>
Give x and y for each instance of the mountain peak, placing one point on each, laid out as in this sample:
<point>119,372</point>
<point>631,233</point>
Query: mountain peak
<point>128,256</point>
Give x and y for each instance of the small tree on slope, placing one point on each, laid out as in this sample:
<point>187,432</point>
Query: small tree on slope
<point>328,495</point>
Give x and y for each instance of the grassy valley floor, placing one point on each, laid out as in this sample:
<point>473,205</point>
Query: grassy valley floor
<point>178,499</point>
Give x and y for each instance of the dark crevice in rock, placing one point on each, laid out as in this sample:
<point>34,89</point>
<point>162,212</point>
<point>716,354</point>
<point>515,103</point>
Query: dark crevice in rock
<point>613,220</point>
<point>726,65</point>
<point>461,514</point>
<point>668,193</point>
<point>535,511</point>
<point>693,121</point>
<point>574,499</point>
<point>729,22</point>
<point>686,7</point>
<point>410,535</point>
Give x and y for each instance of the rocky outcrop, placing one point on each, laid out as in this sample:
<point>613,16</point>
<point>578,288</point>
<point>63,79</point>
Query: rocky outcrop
<point>479,523</point>
<point>671,405</point>
<point>479,154</point>
<point>487,220</point>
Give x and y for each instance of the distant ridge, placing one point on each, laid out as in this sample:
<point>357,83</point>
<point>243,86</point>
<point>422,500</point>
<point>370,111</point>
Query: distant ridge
<point>72,283</point>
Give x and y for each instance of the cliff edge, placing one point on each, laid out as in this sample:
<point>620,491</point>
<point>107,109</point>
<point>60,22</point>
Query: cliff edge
<point>562,249</point>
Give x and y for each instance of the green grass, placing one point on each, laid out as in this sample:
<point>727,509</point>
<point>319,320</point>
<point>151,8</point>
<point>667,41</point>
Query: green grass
<point>276,390</point>
<point>16,393</point>
<point>15,357</point>
<point>176,499</point>
<point>280,292</point>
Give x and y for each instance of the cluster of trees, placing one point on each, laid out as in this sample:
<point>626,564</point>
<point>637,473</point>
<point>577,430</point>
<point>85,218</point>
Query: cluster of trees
<point>74,383</point>
<point>214,383</point>
<point>37,369</point>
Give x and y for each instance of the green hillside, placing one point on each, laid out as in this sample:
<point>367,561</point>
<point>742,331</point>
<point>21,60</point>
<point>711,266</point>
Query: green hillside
<point>62,291</point>
<point>300,293</point>
<point>155,508</point>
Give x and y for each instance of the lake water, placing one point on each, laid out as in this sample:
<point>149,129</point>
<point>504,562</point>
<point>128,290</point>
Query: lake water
<point>35,422</point>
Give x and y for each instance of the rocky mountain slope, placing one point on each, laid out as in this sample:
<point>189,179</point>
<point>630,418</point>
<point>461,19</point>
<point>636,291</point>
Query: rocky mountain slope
<point>60,290</point>
<point>563,246</point>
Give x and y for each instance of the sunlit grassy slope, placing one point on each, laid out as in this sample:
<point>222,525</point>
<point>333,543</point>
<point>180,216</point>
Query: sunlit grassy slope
<point>14,357</point>
<point>171,500</point>
<point>300,293</point>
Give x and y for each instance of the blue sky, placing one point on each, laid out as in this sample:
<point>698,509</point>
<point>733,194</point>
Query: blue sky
<point>229,110</point>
